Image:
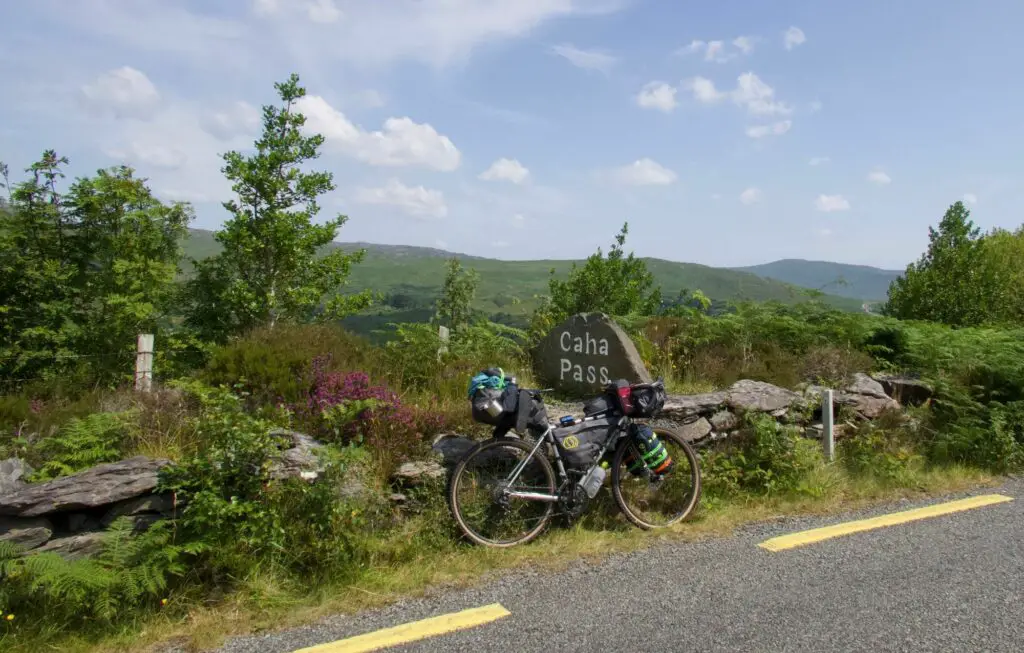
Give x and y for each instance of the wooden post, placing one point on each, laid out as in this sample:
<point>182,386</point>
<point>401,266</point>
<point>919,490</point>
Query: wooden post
<point>827,430</point>
<point>144,363</point>
<point>443,334</point>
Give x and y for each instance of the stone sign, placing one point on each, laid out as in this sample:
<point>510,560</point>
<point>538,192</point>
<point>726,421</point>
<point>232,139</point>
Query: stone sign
<point>587,351</point>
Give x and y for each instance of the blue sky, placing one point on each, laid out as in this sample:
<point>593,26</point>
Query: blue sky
<point>726,133</point>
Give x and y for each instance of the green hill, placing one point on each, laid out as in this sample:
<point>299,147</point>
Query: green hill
<point>411,279</point>
<point>854,281</point>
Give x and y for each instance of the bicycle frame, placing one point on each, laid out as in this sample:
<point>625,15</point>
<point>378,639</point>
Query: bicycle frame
<point>549,436</point>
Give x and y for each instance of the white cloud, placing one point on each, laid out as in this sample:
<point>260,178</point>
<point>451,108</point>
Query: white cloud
<point>401,142</point>
<point>717,51</point>
<point>240,119</point>
<point>657,95</point>
<point>757,96</point>
<point>125,91</point>
<point>819,160</point>
<point>518,221</point>
<point>505,170</point>
<point>704,90</point>
<point>586,59</point>
<point>830,203</point>
<point>499,244</point>
<point>323,11</point>
<point>879,177</point>
<point>793,37</point>
<point>751,92</point>
<point>775,129</point>
<point>644,172</point>
<point>745,44</point>
<point>815,106</point>
<point>970,198</point>
<point>416,201</point>
<point>824,232</point>
<point>750,196</point>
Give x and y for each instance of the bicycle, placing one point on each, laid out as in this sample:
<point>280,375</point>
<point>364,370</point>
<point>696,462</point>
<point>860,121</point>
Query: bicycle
<point>502,501</point>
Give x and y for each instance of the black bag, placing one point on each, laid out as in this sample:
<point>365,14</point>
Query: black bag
<point>580,445</point>
<point>519,410</point>
<point>655,457</point>
<point>648,401</point>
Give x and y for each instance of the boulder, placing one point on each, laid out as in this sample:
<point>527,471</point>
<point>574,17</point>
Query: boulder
<point>418,473</point>
<point>451,448</point>
<point>25,533</point>
<point>98,486</point>
<point>868,406</point>
<point>757,396</point>
<point>863,384</point>
<point>723,420</point>
<point>912,392</point>
<point>151,504</point>
<point>694,431</point>
<point>584,353</point>
<point>13,473</point>
<point>74,546</point>
<point>682,406</point>
<point>299,460</point>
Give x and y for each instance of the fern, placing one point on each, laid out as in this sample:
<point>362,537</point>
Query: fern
<point>82,443</point>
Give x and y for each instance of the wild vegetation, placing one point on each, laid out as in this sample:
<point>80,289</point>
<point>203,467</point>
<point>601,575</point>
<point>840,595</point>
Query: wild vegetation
<point>251,341</point>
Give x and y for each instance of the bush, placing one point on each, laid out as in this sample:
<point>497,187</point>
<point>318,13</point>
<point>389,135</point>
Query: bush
<point>81,444</point>
<point>272,366</point>
<point>887,450</point>
<point>769,458</point>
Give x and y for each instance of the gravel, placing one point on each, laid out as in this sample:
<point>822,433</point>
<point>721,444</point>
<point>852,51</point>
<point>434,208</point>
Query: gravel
<point>954,582</point>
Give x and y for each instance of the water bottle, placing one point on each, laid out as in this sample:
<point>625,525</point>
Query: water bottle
<point>593,480</point>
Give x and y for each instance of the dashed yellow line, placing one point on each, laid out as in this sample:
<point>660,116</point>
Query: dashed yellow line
<point>411,632</point>
<point>802,538</point>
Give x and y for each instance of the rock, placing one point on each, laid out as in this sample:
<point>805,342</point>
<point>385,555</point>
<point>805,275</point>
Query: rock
<point>417,473</point>
<point>868,406</point>
<point>79,521</point>
<point>154,503</point>
<point>695,430</point>
<point>25,533</point>
<point>74,546</point>
<point>92,488</point>
<point>298,461</point>
<point>757,396</point>
<point>398,499</point>
<point>353,489</point>
<point>863,384</point>
<point>911,392</point>
<point>581,355</point>
<point>451,448</point>
<point>723,420</point>
<point>13,473</point>
<point>683,406</point>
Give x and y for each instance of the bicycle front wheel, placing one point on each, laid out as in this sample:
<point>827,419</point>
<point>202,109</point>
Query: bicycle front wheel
<point>657,502</point>
<point>479,501</point>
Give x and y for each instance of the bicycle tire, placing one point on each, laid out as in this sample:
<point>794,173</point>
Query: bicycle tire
<point>456,475</point>
<point>617,476</point>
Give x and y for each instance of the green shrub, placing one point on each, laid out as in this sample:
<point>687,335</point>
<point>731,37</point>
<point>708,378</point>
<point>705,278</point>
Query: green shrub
<point>272,366</point>
<point>884,450</point>
<point>46,591</point>
<point>82,443</point>
<point>769,458</point>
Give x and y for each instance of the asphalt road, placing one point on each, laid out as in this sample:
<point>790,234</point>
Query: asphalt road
<point>948,583</point>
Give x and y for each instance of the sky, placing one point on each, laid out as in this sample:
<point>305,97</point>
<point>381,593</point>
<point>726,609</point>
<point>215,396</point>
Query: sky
<point>727,133</point>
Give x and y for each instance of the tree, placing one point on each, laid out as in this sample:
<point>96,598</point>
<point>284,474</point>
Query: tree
<point>942,285</point>
<point>269,269</point>
<point>617,285</point>
<point>455,307</point>
<point>83,272</point>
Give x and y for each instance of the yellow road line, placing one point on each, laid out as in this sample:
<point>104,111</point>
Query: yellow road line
<point>411,632</point>
<point>818,534</point>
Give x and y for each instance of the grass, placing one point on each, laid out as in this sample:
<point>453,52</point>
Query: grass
<point>265,603</point>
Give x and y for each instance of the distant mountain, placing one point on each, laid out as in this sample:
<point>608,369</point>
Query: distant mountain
<point>412,277</point>
<point>854,281</point>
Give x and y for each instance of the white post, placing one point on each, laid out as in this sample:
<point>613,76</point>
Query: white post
<point>144,362</point>
<point>827,430</point>
<point>443,334</point>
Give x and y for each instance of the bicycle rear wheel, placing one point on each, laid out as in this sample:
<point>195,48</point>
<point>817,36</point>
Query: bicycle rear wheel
<point>651,504</point>
<point>477,502</point>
